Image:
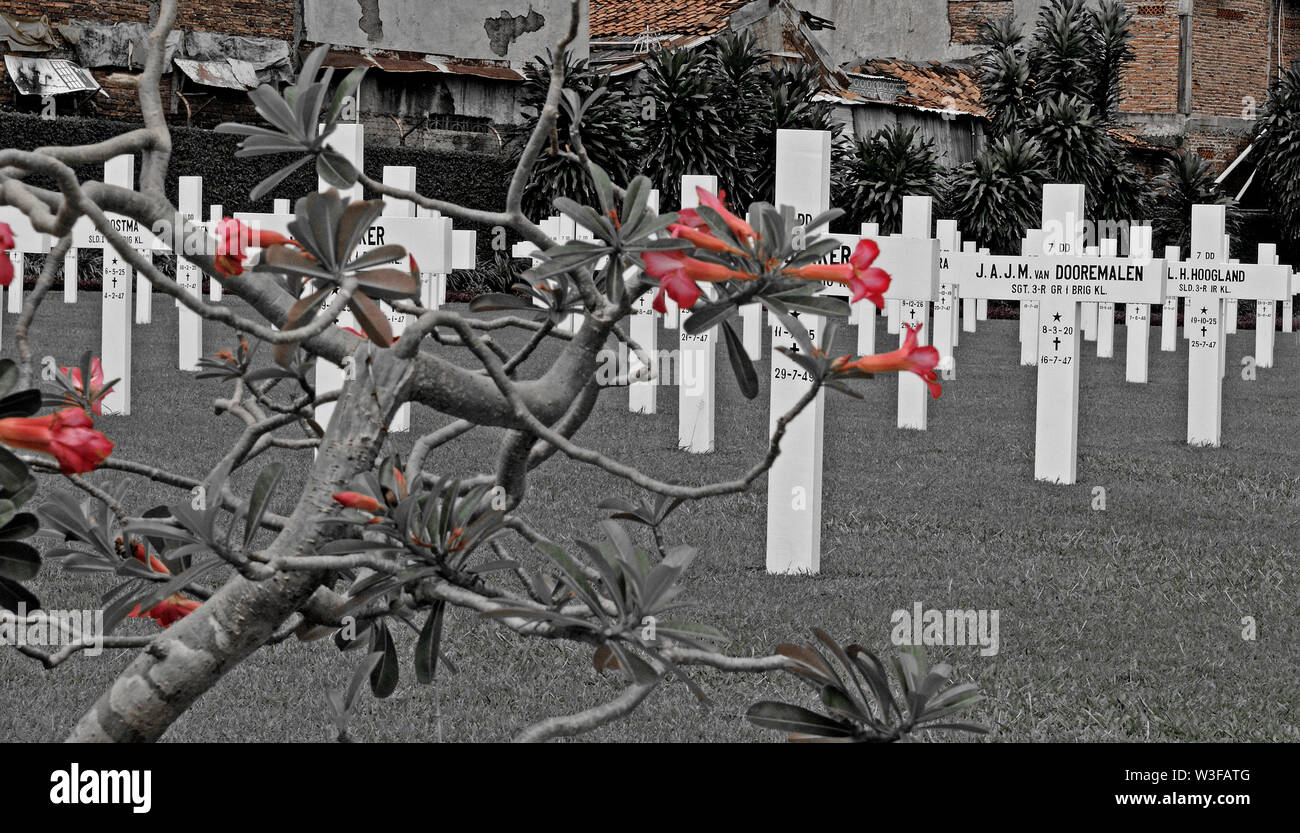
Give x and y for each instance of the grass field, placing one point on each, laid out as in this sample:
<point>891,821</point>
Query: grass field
<point>1123,624</point>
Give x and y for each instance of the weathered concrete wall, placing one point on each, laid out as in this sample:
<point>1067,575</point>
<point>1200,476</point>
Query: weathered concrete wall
<point>911,30</point>
<point>513,30</point>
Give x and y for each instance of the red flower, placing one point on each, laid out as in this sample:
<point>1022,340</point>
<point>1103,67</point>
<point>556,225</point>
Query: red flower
<point>700,238</point>
<point>233,240</point>
<point>677,274</point>
<point>140,554</point>
<point>910,357</point>
<point>858,274</point>
<point>68,436</point>
<point>169,611</point>
<point>97,389</point>
<point>356,500</point>
<point>744,231</point>
<point>6,243</point>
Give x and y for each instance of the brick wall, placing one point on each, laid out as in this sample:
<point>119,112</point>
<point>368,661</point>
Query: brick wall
<point>965,17</point>
<point>1230,41</point>
<point>209,106</point>
<point>1149,82</point>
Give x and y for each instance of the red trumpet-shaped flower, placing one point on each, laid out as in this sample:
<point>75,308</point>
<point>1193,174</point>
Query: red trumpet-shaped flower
<point>356,500</point>
<point>169,611</point>
<point>139,553</point>
<point>700,238</point>
<point>97,389</point>
<point>858,274</point>
<point>911,357</point>
<point>233,241</point>
<point>68,436</point>
<point>6,243</point>
<point>678,272</point>
<point>743,231</point>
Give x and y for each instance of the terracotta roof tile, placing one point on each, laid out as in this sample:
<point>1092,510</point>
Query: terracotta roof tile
<point>635,18</point>
<point>940,86</point>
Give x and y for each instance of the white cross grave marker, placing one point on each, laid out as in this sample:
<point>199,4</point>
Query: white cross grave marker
<point>190,277</point>
<point>1031,246</point>
<point>794,483</point>
<point>1265,313</point>
<point>116,309</point>
<point>1206,281</point>
<point>27,241</point>
<point>1060,280</point>
<point>945,305</point>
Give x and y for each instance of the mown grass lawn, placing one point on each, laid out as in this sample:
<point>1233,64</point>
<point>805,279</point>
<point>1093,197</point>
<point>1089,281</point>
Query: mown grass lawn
<point>1123,624</point>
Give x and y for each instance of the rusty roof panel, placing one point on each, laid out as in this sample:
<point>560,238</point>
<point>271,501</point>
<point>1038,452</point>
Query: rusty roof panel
<point>393,61</point>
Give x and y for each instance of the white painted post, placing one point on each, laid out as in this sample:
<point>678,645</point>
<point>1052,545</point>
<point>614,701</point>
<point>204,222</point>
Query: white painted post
<point>1169,312</point>
<point>794,483</point>
<point>642,395</point>
<point>82,229</point>
<point>945,307</point>
<point>189,323</point>
<point>403,177</point>
<point>1137,317</point>
<point>1265,314</point>
<point>696,357</point>
<point>1031,246</point>
<point>215,213</point>
<point>1204,330</point>
<point>1106,309</point>
<point>115,307</point>
<point>1056,433</point>
<point>969,306</point>
<point>863,313</point>
<point>913,393</point>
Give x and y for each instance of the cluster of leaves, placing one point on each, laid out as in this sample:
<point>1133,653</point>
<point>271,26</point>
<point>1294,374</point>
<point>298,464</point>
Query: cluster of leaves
<point>1052,102</point>
<point>294,116</point>
<point>440,528</point>
<point>606,117</point>
<point>709,110</point>
<point>643,595</point>
<point>1277,143</point>
<point>327,229</point>
<point>621,232</point>
<point>1187,180</point>
<point>19,561</point>
<point>860,705</point>
<point>154,556</point>
<point>884,167</point>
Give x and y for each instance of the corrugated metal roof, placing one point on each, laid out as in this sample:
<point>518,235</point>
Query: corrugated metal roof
<point>393,61</point>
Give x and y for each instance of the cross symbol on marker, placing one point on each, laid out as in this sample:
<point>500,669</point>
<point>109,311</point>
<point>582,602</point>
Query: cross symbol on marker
<point>794,348</point>
<point>1056,317</point>
<point>1202,332</point>
<point>914,312</point>
<point>1057,343</point>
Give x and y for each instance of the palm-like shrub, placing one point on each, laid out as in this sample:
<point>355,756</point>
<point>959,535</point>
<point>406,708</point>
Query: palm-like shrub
<point>1187,180</point>
<point>996,197</point>
<point>1277,141</point>
<point>1061,89</point>
<point>686,131</point>
<point>611,133</point>
<point>884,167</point>
<point>741,96</point>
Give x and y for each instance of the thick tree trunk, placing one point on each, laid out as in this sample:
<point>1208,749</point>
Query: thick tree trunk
<point>191,656</point>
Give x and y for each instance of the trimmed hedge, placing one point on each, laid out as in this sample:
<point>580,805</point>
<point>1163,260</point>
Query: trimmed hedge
<point>474,180</point>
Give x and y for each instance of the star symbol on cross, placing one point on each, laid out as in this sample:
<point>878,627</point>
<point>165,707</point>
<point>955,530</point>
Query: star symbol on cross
<point>1056,317</point>
<point>1204,310</point>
